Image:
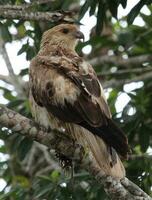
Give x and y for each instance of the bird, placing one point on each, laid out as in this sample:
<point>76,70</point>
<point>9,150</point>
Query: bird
<point>65,93</point>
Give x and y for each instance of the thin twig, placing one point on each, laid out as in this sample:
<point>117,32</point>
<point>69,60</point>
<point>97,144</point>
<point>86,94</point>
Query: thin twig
<point>45,170</point>
<point>142,156</point>
<point>30,160</point>
<point>39,2</point>
<point>47,156</point>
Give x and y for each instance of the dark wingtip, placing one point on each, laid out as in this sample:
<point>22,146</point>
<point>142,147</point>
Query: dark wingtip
<point>113,136</point>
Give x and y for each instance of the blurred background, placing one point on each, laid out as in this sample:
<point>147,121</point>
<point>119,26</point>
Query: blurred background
<point>118,43</point>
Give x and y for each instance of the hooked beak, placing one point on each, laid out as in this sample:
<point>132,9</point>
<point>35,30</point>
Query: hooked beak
<point>79,35</point>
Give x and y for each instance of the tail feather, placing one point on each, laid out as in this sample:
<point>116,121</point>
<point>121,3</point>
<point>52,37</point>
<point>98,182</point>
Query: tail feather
<point>115,137</point>
<point>112,135</point>
<point>98,151</point>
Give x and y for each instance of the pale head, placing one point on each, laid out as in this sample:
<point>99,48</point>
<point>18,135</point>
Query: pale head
<point>65,35</point>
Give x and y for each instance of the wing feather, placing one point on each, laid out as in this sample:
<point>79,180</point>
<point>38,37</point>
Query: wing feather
<point>81,99</point>
<point>91,103</point>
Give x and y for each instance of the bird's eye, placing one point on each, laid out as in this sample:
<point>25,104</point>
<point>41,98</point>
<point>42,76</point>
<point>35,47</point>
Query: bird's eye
<point>65,30</point>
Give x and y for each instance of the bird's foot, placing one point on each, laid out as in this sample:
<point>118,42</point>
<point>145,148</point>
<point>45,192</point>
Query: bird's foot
<point>65,163</point>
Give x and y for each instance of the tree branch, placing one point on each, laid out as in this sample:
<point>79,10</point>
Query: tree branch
<point>6,79</point>
<point>39,2</point>
<point>124,71</point>
<point>142,156</point>
<point>6,59</point>
<point>115,83</point>
<point>117,189</point>
<point>47,157</point>
<point>12,79</point>
<point>25,6</point>
<point>119,61</point>
<point>29,159</point>
<point>53,139</point>
<point>12,13</point>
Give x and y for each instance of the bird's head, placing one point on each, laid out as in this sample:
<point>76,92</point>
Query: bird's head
<point>65,35</point>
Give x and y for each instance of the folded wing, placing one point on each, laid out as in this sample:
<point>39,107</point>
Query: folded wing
<point>88,109</point>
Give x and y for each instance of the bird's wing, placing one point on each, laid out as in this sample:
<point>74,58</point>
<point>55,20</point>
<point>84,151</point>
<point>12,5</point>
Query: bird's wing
<point>90,104</point>
<point>82,100</point>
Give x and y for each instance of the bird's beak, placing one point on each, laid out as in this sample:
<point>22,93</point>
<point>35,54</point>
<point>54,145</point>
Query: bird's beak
<point>79,35</point>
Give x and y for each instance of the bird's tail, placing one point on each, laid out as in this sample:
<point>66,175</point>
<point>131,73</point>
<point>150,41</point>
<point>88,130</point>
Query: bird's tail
<point>103,157</point>
<point>112,135</point>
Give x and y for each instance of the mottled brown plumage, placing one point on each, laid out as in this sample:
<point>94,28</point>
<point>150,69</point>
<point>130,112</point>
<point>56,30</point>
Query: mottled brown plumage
<point>65,92</point>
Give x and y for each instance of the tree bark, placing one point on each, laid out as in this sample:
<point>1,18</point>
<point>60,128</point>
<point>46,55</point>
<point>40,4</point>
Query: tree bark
<point>11,13</point>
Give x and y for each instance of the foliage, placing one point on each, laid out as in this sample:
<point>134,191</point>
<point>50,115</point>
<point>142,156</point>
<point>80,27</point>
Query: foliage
<point>25,167</point>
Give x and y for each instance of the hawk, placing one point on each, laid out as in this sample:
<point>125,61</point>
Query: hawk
<point>66,93</point>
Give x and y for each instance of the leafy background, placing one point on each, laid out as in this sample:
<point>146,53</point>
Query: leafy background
<point>29,169</point>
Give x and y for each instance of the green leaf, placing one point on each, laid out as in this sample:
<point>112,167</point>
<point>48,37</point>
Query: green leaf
<point>44,177</point>
<point>144,138</point>
<point>41,193</point>
<point>29,50</point>
<point>23,49</point>
<point>23,181</point>
<point>30,53</point>
<point>7,94</point>
<point>23,72</point>
<point>24,147</point>
<point>3,149</point>
<point>135,11</point>
<point>93,7</point>
<point>101,15</point>
<point>55,175</point>
<point>15,103</point>
<point>113,6</point>
<point>123,3</point>
<point>7,195</point>
<point>125,38</point>
<point>147,19</point>
<point>112,99</point>
<point>21,30</point>
<point>4,33</point>
<point>84,8</point>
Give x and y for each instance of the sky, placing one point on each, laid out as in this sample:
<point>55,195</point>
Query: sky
<point>19,62</point>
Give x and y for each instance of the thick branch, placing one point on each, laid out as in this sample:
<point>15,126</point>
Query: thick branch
<point>37,16</point>
<point>119,61</point>
<point>25,6</point>
<point>28,128</point>
<point>116,189</point>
